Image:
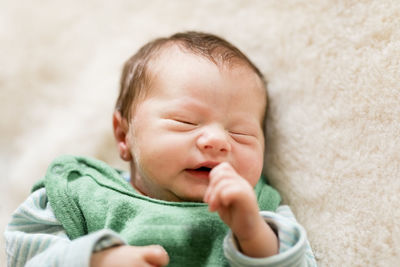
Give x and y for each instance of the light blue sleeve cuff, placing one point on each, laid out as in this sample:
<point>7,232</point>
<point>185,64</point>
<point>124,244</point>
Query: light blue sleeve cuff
<point>292,245</point>
<point>77,252</point>
<point>34,237</point>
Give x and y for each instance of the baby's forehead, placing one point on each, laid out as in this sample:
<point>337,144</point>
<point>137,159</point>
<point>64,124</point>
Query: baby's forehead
<point>171,55</point>
<point>179,68</point>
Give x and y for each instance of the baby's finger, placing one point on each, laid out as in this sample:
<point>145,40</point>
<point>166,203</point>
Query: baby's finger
<point>207,194</point>
<point>211,187</point>
<point>216,175</point>
<point>215,200</point>
<point>155,255</point>
<point>229,194</point>
<point>222,171</point>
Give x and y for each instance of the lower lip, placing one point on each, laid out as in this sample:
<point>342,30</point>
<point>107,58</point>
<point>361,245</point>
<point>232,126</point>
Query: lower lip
<point>199,174</point>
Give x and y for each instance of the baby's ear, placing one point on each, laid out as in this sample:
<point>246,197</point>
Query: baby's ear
<point>121,129</point>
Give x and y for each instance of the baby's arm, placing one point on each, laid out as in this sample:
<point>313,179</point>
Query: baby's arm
<point>34,237</point>
<point>294,249</point>
<point>234,199</point>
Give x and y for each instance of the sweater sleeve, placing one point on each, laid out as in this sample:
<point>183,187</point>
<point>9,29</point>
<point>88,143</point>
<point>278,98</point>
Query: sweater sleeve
<point>34,237</point>
<point>294,248</point>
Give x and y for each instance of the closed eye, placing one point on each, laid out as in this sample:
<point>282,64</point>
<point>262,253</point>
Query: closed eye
<point>241,133</point>
<point>244,138</point>
<point>180,125</point>
<point>186,122</point>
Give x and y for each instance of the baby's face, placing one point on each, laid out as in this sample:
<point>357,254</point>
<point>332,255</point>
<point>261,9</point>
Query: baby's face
<point>195,117</point>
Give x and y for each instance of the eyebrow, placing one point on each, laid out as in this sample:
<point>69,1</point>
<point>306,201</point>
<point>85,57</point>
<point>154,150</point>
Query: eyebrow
<point>190,104</point>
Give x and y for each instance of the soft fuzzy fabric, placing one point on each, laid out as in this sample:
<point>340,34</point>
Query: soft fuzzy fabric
<point>333,128</point>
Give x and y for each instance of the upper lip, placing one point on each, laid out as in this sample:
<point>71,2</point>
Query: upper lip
<point>207,164</point>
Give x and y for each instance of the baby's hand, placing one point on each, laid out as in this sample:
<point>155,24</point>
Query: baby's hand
<point>234,199</point>
<point>131,256</point>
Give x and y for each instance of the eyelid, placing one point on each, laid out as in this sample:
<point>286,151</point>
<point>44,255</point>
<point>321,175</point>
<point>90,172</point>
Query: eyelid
<point>237,133</point>
<point>243,133</point>
<point>243,138</point>
<point>182,122</point>
<point>185,122</point>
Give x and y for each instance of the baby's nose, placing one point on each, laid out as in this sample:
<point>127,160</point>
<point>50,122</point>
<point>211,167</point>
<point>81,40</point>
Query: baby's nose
<point>214,140</point>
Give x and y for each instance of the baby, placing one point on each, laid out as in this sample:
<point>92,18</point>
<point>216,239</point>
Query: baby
<point>190,121</point>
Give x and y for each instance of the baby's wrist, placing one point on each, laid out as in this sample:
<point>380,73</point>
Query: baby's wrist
<point>263,242</point>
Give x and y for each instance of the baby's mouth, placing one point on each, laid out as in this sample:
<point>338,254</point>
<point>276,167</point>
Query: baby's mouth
<point>203,169</point>
<point>202,172</point>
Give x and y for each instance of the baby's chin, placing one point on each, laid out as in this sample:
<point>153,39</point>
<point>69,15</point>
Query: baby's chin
<point>174,196</point>
<point>190,198</point>
<point>193,193</point>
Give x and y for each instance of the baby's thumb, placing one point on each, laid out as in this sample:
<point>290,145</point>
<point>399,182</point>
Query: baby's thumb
<point>155,255</point>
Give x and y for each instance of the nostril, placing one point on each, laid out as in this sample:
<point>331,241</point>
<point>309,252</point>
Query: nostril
<point>217,147</point>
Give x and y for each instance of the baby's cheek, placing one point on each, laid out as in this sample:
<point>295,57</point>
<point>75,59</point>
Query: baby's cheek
<point>252,172</point>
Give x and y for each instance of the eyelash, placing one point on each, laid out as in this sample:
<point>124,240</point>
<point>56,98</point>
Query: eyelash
<point>238,134</point>
<point>242,138</point>
<point>241,135</point>
<point>186,122</point>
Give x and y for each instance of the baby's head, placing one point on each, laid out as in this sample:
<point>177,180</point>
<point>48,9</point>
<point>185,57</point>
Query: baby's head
<point>186,104</point>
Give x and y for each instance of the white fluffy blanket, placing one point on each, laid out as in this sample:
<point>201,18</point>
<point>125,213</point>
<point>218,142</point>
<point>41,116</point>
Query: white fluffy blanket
<point>334,84</point>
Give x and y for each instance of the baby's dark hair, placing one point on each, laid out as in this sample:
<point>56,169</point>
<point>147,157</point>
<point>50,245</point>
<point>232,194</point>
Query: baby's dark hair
<point>136,76</point>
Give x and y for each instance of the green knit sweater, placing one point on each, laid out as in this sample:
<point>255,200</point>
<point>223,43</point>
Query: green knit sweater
<point>88,195</point>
